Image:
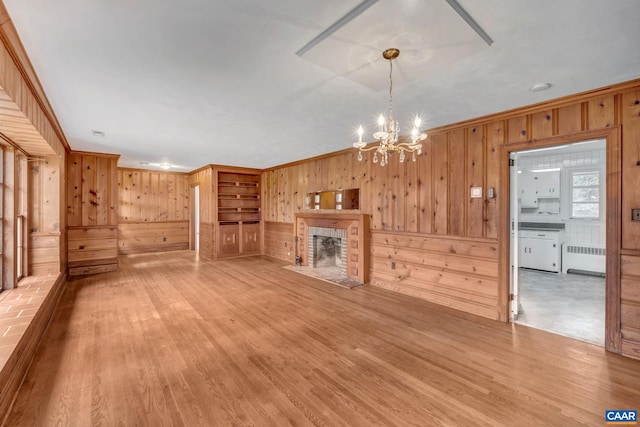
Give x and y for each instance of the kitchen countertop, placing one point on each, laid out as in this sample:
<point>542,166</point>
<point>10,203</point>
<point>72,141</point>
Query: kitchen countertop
<point>548,226</point>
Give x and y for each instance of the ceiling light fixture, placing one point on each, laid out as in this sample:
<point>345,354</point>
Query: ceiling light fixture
<point>545,170</point>
<point>538,87</point>
<point>389,130</point>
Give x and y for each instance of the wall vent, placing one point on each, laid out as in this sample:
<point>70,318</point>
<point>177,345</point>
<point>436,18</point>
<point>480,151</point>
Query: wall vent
<point>586,250</point>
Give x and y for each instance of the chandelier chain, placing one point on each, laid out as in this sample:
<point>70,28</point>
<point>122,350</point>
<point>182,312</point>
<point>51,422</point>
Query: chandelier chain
<point>391,88</point>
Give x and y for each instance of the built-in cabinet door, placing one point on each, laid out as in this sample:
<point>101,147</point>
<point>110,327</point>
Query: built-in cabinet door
<point>524,249</point>
<point>544,254</point>
<point>539,250</point>
<point>250,238</point>
<point>538,185</point>
<point>529,190</point>
<point>548,185</point>
<point>229,239</point>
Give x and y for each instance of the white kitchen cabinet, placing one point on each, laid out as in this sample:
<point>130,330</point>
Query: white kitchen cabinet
<point>540,250</point>
<point>528,190</point>
<point>548,185</point>
<point>538,185</point>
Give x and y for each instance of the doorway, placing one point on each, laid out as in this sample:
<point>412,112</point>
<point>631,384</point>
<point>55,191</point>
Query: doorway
<point>194,238</point>
<point>558,239</point>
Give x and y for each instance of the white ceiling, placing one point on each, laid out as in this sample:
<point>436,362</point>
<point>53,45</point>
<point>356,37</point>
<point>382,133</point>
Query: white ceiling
<point>202,81</point>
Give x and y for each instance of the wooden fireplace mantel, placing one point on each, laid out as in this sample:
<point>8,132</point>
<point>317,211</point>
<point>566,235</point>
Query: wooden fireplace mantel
<point>357,227</point>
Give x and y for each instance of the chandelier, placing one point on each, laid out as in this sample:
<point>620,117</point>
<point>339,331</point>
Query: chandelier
<point>389,130</point>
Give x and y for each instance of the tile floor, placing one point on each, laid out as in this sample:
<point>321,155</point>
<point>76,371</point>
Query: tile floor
<point>572,305</point>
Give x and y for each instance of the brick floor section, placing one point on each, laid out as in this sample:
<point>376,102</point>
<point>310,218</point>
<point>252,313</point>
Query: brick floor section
<point>17,308</point>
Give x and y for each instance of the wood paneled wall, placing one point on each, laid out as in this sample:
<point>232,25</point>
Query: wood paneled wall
<point>92,212</point>
<point>92,192</point>
<point>153,212</point>
<point>44,216</point>
<point>422,216</point>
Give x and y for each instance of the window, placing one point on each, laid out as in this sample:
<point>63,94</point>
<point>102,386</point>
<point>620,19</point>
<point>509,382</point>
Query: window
<point>20,247</point>
<point>21,222</point>
<point>585,194</point>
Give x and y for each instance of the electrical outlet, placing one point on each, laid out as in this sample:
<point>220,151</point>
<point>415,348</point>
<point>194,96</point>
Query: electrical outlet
<point>393,265</point>
<point>635,214</point>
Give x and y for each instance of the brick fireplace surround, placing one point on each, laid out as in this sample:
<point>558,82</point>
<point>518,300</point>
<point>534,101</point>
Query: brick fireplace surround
<point>357,229</point>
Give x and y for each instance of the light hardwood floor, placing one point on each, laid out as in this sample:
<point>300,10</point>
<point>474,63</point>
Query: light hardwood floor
<point>169,340</point>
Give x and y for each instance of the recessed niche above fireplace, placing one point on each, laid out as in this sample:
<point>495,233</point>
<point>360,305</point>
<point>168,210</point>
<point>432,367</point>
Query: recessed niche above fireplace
<point>343,199</point>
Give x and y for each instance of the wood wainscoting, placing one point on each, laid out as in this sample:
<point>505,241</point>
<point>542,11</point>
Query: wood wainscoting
<point>92,249</point>
<point>279,240</point>
<point>455,272</point>
<point>630,305</point>
<point>44,253</point>
<point>207,241</point>
<point>157,236</point>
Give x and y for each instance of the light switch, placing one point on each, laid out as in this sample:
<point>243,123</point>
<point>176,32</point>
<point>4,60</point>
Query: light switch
<point>476,192</point>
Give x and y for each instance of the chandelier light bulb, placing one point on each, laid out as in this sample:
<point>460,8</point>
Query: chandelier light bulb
<point>417,123</point>
<point>381,121</point>
<point>360,132</point>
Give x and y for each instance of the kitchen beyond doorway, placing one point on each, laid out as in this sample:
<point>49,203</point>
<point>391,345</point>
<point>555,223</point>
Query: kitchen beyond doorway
<point>559,233</point>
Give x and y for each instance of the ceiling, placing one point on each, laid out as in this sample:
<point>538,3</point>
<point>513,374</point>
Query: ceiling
<point>201,81</point>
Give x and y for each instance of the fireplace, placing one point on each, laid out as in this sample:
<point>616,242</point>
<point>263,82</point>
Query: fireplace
<point>335,243</point>
<point>328,249</point>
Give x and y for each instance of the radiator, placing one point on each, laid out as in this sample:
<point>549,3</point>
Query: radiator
<point>585,258</point>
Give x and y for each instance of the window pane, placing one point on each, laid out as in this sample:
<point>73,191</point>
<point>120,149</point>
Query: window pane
<point>586,194</point>
<point>583,179</point>
<point>585,210</point>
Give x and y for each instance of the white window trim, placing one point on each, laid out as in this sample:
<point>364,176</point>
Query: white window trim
<point>568,187</point>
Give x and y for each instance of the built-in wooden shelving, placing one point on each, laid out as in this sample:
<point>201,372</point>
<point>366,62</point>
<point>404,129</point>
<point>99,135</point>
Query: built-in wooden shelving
<point>238,213</point>
<point>238,198</point>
